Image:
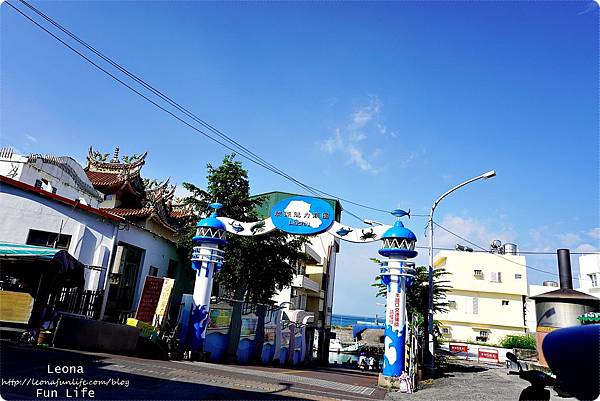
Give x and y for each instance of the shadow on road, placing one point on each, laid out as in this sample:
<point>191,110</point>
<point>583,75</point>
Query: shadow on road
<point>449,368</point>
<point>23,362</point>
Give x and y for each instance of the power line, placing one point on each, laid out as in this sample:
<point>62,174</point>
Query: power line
<point>498,255</point>
<point>243,151</point>
<point>480,247</point>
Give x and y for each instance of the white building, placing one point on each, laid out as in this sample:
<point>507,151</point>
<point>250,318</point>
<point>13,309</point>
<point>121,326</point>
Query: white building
<point>33,216</point>
<point>589,274</point>
<point>110,219</point>
<point>58,175</point>
<point>488,296</point>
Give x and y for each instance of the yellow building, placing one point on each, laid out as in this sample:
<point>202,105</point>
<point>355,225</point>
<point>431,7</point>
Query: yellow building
<point>488,296</point>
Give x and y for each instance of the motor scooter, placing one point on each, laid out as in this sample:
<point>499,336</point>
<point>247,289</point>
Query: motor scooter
<point>538,381</point>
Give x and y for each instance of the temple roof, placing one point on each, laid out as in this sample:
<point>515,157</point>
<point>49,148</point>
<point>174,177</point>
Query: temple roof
<point>139,198</point>
<point>126,165</point>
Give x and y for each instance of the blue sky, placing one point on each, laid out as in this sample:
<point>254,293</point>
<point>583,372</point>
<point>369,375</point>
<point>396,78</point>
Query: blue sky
<point>387,104</point>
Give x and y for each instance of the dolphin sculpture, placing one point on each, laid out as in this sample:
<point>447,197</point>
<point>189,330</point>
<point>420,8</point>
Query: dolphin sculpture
<point>400,213</point>
<point>344,231</point>
<point>236,226</point>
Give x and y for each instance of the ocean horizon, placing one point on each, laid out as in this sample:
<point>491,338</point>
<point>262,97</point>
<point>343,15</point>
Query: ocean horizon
<point>338,319</point>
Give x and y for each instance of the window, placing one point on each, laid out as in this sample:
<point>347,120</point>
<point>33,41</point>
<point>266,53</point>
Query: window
<point>445,330</point>
<point>594,279</point>
<point>172,268</point>
<point>518,276</point>
<point>153,271</point>
<point>48,239</point>
<point>475,306</point>
<point>452,304</point>
<point>478,273</point>
<point>496,277</point>
<point>504,302</point>
<point>38,183</point>
<point>483,336</point>
<point>53,190</point>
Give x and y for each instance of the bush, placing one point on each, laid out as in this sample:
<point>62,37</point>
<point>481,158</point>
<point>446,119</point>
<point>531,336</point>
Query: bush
<point>524,341</point>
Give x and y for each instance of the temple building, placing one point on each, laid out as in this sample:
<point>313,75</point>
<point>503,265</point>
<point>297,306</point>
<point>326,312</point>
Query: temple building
<point>121,226</point>
<point>146,244</point>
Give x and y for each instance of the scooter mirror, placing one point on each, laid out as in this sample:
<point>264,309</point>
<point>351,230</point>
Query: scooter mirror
<point>512,357</point>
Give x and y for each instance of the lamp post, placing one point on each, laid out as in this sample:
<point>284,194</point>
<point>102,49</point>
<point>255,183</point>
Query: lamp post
<point>428,347</point>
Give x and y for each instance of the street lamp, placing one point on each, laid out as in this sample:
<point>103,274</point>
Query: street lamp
<point>428,337</point>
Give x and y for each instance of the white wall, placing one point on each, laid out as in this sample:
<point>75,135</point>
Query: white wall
<point>589,265</point>
<point>29,170</point>
<point>157,252</point>
<point>91,235</point>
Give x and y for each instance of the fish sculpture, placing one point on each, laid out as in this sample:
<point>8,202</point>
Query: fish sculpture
<point>400,213</point>
<point>367,235</point>
<point>258,227</point>
<point>237,227</point>
<point>342,232</point>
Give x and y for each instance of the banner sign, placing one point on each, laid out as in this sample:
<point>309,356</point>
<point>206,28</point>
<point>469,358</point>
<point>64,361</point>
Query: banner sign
<point>220,319</point>
<point>302,215</point>
<point>248,326</point>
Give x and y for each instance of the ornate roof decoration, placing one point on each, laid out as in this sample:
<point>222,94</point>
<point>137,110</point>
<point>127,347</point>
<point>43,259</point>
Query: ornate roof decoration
<point>152,199</point>
<point>126,165</point>
<point>71,168</point>
<point>158,191</point>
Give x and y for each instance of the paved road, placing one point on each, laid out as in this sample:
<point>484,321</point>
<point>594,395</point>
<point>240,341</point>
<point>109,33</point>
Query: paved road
<point>135,378</point>
<point>464,381</point>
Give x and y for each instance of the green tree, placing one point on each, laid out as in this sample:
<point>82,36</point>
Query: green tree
<point>254,267</point>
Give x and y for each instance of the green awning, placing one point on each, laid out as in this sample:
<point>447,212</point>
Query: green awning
<point>9,250</point>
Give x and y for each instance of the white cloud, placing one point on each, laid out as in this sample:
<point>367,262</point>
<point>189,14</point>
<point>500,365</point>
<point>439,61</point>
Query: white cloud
<point>334,143</point>
<point>366,113</point>
<point>472,229</point>
<point>570,238</point>
<point>31,138</point>
<point>352,140</point>
<point>357,158</point>
<point>586,248</point>
<point>594,233</point>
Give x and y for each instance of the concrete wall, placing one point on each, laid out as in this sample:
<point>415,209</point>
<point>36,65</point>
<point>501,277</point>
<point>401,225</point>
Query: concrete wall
<point>91,235</point>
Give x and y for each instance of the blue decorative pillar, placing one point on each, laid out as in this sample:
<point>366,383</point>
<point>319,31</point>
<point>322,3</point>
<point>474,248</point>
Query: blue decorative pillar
<point>207,258</point>
<point>398,245</point>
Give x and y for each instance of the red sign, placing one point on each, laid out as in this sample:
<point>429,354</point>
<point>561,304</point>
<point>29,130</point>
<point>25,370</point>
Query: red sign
<point>488,354</point>
<point>459,348</point>
<point>149,299</point>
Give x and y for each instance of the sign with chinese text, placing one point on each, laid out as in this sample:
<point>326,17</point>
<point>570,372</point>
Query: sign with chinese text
<point>149,299</point>
<point>302,215</point>
<point>154,301</point>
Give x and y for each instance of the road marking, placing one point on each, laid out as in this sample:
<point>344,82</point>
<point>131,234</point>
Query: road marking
<point>349,388</point>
